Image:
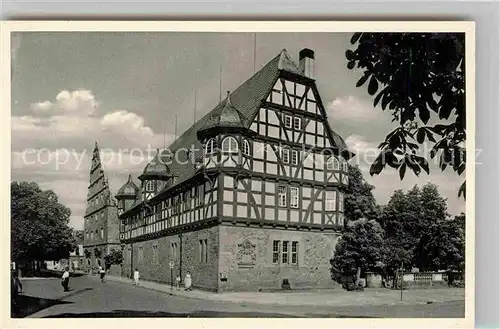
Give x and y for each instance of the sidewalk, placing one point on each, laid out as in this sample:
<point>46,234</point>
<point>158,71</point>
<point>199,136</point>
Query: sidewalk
<point>316,298</point>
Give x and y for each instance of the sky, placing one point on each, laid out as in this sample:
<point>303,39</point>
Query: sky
<point>125,90</point>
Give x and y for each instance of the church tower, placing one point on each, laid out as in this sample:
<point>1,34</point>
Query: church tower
<point>101,218</point>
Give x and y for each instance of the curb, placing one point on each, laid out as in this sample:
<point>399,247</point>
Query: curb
<point>394,303</point>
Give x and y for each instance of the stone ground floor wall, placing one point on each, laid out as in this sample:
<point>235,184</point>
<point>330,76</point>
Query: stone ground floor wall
<point>246,259</point>
<point>236,259</point>
<point>152,258</point>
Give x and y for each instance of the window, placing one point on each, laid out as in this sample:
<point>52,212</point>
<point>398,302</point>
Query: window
<point>209,148</point>
<point>173,251</point>
<point>294,197</point>
<point>344,166</point>
<point>276,252</point>
<point>201,195</point>
<point>150,186</point>
<point>295,157</point>
<point>203,251</point>
<point>92,235</point>
<point>246,147</point>
<point>297,123</point>
<point>288,121</point>
<point>155,254</point>
<point>230,145</point>
<point>140,254</point>
<point>285,155</point>
<point>294,252</point>
<point>330,203</point>
<point>284,253</point>
<point>102,233</point>
<point>341,202</point>
<point>332,164</point>
<point>282,195</point>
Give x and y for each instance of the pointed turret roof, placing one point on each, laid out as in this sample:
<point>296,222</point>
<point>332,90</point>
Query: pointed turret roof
<point>129,189</point>
<point>156,168</point>
<point>225,116</point>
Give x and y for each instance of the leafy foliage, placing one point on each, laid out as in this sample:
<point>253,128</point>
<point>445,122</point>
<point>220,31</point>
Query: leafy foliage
<point>443,246</point>
<point>414,75</point>
<point>39,228</point>
<point>97,252</point>
<point>87,253</point>
<point>359,200</point>
<point>360,246</point>
<point>408,220</point>
<point>115,257</point>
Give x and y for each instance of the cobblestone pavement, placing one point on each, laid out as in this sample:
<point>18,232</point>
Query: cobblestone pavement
<point>91,298</point>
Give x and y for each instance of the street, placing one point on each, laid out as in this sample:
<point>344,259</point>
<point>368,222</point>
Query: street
<point>90,298</point>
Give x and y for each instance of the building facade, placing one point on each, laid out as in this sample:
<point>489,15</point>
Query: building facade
<point>101,225</point>
<point>250,197</point>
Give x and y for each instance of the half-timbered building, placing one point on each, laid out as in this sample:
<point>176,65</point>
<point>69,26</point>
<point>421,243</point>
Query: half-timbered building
<point>251,197</point>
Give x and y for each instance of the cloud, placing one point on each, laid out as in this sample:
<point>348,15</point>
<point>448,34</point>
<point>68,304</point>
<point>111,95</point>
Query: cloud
<point>352,109</point>
<point>71,121</point>
<point>79,102</point>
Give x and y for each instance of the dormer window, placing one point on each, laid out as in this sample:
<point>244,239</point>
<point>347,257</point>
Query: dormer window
<point>246,147</point>
<point>209,148</point>
<point>230,145</point>
<point>150,186</point>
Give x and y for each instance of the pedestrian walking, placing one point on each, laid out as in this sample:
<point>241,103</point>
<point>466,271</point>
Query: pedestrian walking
<point>16,288</point>
<point>187,281</point>
<point>65,279</point>
<point>136,277</point>
<point>102,273</point>
<point>178,281</point>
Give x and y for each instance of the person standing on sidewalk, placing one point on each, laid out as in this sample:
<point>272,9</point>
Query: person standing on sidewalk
<point>65,279</point>
<point>136,277</point>
<point>178,282</point>
<point>102,273</point>
<point>187,281</point>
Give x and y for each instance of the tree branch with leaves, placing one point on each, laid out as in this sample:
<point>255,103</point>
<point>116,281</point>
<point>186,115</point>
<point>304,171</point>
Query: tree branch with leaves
<point>415,75</point>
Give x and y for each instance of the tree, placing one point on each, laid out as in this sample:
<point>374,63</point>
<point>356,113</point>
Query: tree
<point>39,225</point>
<point>414,75</point>
<point>359,200</point>
<point>361,246</point>
<point>444,246</point>
<point>407,219</point>
<point>97,252</point>
<point>87,253</point>
<point>115,257</point>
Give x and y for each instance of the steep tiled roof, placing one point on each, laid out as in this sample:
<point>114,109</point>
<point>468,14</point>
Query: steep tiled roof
<point>246,98</point>
<point>244,102</point>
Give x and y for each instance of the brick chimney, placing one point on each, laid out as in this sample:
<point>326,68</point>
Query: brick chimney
<point>306,62</point>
